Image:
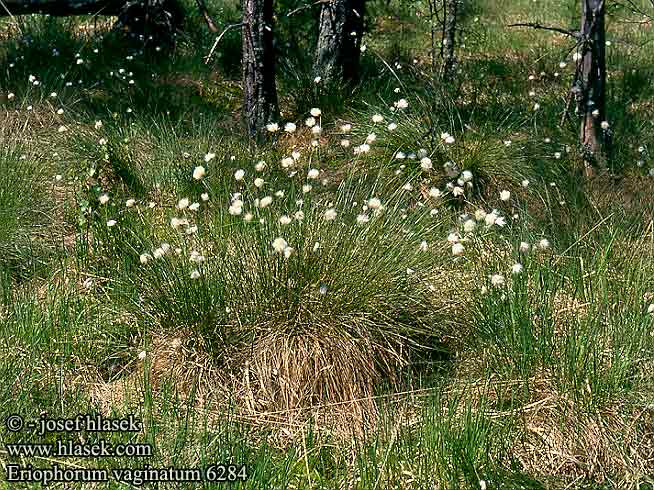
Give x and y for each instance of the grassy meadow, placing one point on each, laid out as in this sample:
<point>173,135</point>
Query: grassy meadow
<point>412,285</point>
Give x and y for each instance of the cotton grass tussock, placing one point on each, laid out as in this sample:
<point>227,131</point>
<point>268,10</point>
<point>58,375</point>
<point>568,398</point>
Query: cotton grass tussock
<point>371,316</point>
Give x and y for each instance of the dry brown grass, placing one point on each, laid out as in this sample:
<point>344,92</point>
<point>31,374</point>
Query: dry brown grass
<point>282,381</point>
<point>559,439</point>
<point>174,359</point>
<point>290,373</point>
<point>634,193</point>
<point>567,309</point>
<point>562,439</point>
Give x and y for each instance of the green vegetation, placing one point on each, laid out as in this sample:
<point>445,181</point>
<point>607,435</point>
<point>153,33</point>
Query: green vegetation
<point>415,289</point>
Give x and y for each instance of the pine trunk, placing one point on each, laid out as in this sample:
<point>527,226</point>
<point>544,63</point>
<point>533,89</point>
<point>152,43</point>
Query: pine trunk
<point>449,38</point>
<point>591,83</point>
<point>339,40</point>
<point>260,91</point>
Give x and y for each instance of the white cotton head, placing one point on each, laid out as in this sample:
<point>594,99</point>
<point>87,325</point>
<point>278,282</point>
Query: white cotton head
<point>330,214</point>
<point>457,249</point>
<point>497,280</point>
<point>199,172</point>
<point>313,173</point>
<point>279,244</point>
<point>374,203</point>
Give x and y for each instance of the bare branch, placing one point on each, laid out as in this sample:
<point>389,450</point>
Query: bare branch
<point>215,44</point>
<point>636,9</point>
<point>305,7</point>
<point>535,25</point>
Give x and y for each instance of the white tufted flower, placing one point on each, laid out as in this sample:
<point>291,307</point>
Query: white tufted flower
<point>199,172</point>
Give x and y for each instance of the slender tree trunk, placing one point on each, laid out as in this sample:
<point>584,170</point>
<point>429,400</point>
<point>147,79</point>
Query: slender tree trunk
<point>339,40</point>
<point>449,38</point>
<point>590,86</point>
<point>260,91</point>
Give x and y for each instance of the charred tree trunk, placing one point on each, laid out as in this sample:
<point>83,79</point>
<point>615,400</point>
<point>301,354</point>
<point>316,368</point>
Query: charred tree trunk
<point>339,40</point>
<point>260,92</point>
<point>590,84</point>
<point>449,38</point>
